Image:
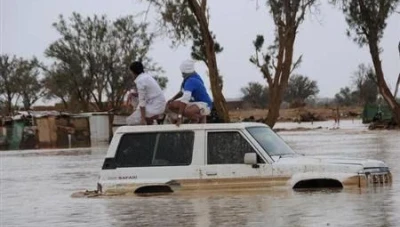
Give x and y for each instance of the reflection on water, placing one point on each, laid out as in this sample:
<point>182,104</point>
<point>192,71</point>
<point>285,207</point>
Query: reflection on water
<point>290,209</point>
<point>51,152</point>
<point>35,190</point>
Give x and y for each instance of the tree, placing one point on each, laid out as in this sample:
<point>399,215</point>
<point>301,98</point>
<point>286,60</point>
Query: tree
<point>189,20</point>
<point>367,21</point>
<point>199,53</point>
<point>300,88</point>
<point>27,82</point>
<point>8,89</point>
<point>94,54</point>
<point>162,81</point>
<point>255,94</point>
<point>346,97</point>
<point>365,82</point>
<point>129,42</point>
<point>276,65</point>
<point>57,84</point>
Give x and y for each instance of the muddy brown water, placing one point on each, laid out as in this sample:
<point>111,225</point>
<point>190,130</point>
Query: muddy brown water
<point>36,188</point>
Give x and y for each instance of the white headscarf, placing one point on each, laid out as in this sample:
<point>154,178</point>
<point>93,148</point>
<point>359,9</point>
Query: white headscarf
<point>187,66</point>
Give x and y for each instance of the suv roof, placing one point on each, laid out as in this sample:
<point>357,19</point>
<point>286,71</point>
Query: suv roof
<point>173,127</point>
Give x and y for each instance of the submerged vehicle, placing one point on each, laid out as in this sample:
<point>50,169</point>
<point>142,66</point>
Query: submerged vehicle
<point>232,156</point>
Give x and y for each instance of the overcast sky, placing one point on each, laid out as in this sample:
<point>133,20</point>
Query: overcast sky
<point>329,56</point>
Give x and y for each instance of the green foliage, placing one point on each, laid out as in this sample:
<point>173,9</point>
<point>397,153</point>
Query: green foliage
<point>8,90</point>
<point>162,81</point>
<point>276,61</point>
<point>365,88</point>
<point>198,49</point>
<point>184,20</point>
<point>177,21</point>
<point>92,59</point>
<point>58,84</point>
<point>180,24</point>
<point>300,88</point>
<point>287,16</point>
<point>258,42</point>
<point>19,78</point>
<point>264,64</point>
<point>256,94</point>
<point>366,19</point>
<point>7,76</point>
<point>346,97</point>
<point>27,82</point>
<point>366,84</point>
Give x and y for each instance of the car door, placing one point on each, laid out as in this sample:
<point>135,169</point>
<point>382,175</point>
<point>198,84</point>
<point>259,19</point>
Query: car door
<point>225,160</point>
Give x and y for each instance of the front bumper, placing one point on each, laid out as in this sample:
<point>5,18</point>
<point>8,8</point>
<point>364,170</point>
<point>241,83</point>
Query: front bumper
<point>375,176</point>
<point>381,178</point>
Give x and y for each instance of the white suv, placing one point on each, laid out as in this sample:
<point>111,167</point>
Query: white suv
<point>234,156</point>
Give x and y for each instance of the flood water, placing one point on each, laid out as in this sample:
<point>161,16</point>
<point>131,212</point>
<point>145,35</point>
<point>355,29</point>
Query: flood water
<point>36,188</point>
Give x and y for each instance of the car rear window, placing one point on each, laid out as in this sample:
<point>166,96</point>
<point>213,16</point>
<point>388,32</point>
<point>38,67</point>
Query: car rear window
<point>155,149</point>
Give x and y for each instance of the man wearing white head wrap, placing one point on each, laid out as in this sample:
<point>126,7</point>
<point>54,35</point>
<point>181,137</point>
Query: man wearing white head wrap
<point>193,101</point>
<point>187,67</point>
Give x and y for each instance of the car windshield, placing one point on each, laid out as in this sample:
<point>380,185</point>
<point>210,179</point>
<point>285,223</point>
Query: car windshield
<point>270,141</point>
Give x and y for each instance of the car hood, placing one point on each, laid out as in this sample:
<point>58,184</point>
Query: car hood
<point>328,160</point>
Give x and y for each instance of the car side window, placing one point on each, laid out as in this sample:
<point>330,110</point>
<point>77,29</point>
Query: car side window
<point>227,148</point>
<point>135,150</point>
<point>155,149</point>
<point>174,149</point>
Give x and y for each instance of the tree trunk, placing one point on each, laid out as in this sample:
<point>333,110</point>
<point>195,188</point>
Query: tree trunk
<point>281,78</point>
<point>65,103</point>
<point>27,105</point>
<point>100,103</point>
<point>219,99</point>
<point>85,106</point>
<point>397,87</point>
<point>273,107</point>
<point>383,88</point>
<point>9,105</point>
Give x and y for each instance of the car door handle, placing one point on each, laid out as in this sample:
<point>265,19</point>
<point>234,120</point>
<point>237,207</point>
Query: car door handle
<point>211,173</point>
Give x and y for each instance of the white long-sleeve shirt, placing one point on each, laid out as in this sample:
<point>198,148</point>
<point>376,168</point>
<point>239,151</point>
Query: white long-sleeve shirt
<point>148,90</point>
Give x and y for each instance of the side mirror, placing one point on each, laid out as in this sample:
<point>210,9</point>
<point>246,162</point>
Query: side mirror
<point>250,158</point>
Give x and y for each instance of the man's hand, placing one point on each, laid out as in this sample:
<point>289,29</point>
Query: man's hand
<point>178,122</point>
<point>130,98</point>
<point>143,121</point>
<point>169,102</point>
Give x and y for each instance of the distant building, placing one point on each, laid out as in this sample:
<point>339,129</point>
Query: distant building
<point>236,103</point>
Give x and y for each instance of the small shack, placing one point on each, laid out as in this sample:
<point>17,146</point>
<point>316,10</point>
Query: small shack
<point>118,121</point>
<point>99,127</point>
<point>17,133</point>
<point>376,112</point>
<point>46,129</point>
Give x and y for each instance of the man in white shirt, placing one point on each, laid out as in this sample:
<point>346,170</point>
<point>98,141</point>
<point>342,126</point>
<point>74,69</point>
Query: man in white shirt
<point>151,100</point>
